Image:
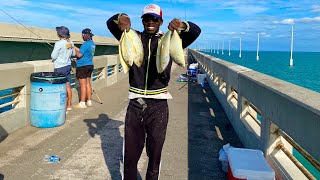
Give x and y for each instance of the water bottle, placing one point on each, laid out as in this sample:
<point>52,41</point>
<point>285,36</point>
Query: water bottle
<point>52,158</point>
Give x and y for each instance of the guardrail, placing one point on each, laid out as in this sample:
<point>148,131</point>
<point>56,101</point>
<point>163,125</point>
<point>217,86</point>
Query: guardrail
<point>15,87</point>
<point>269,114</point>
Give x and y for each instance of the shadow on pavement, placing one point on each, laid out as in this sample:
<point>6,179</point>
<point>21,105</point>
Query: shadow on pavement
<point>208,130</point>
<point>3,135</point>
<point>111,142</point>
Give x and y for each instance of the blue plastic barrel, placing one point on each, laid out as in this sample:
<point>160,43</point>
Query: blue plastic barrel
<point>48,99</point>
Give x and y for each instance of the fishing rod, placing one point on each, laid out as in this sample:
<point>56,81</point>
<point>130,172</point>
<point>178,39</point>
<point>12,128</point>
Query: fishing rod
<point>25,27</point>
<point>42,39</point>
<point>97,96</point>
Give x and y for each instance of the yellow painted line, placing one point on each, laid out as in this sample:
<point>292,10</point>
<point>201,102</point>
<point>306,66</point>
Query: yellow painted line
<point>212,112</point>
<point>218,132</point>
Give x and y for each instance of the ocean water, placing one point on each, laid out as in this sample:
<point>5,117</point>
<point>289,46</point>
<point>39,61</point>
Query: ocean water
<point>5,100</point>
<point>305,72</point>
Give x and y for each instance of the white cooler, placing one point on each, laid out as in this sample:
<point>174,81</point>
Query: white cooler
<point>248,164</point>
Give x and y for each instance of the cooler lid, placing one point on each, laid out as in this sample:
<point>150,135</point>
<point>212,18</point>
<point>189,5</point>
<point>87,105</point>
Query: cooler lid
<point>249,164</point>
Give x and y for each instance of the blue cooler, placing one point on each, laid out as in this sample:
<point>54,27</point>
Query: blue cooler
<point>48,99</point>
<point>192,71</point>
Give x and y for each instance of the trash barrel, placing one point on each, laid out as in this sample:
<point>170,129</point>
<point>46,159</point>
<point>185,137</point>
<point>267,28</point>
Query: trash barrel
<point>48,99</point>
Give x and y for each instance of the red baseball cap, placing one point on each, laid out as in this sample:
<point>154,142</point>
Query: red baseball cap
<point>152,9</point>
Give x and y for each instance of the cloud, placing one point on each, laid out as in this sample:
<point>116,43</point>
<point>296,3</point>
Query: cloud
<point>315,8</point>
<point>299,20</point>
<point>285,21</point>
<point>57,6</point>
<point>264,34</point>
<point>233,33</point>
<point>282,36</point>
<point>34,19</point>
<point>308,20</point>
<point>249,10</point>
<point>228,33</point>
<point>80,11</point>
<point>271,27</point>
<point>14,3</point>
<point>180,1</point>
<point>242,8</point>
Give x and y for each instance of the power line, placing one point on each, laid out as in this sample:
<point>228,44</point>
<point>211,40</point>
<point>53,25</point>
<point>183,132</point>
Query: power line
<point>24,26</point>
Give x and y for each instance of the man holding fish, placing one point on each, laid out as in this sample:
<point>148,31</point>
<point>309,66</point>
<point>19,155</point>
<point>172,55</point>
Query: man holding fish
<point>148,56</point>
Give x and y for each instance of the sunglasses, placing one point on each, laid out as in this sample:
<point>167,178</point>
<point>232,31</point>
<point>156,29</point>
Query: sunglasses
<point>150,18</point>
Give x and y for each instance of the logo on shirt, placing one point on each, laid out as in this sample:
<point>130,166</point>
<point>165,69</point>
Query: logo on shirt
<point>69,46</point>
<point>93,49</point>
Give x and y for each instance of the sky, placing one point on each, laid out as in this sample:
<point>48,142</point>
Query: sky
<point>221,21</point>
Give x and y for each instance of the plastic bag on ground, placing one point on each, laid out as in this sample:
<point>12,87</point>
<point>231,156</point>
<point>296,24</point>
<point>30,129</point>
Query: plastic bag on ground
<point>223,157</point>
<point>182,78</point>
<point>201,78</point>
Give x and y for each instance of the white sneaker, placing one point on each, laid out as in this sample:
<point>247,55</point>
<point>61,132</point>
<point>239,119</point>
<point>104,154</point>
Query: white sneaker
<point>89,103</point>
<point>79,106</point>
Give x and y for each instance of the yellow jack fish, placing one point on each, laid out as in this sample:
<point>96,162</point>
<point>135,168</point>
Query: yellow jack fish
<point>126,49</point>
<point>163,56</point>
<point>122,61</point>
<point>130,49</point>
<point>176,50</point>
<point>138,52</point>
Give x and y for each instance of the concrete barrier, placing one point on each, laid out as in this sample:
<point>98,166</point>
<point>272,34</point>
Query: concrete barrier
<point>17,76</point>
<point>247,95</point>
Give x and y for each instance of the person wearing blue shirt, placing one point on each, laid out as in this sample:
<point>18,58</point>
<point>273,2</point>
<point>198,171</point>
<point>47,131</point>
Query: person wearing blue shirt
<point>84,68</point>
<point>61,57</point>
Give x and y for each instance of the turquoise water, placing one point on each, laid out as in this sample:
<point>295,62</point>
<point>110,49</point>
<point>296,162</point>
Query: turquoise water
<point>305,72</point>
<point>5,100</point>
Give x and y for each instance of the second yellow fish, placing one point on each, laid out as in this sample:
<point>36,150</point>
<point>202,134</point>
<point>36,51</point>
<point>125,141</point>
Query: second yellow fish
<point>170,45</point>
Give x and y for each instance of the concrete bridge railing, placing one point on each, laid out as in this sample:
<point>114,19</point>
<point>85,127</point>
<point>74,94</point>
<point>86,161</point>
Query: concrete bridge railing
<point>267,113</point>
<point>16,78</point>
<point>19,33</point>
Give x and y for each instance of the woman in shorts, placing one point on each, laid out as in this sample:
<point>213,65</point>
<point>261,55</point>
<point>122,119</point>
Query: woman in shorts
<point>84,68</point>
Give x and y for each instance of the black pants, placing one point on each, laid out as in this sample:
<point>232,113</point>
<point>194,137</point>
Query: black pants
<point>144,122</point>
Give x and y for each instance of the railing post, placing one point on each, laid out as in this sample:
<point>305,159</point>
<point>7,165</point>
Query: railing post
<point>25,99</point>
<point>266,138</point>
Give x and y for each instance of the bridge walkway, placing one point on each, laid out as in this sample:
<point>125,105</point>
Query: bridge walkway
<point>90,142</point>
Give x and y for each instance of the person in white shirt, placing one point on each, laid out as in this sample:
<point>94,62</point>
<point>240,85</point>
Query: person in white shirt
<point>61,57</point>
